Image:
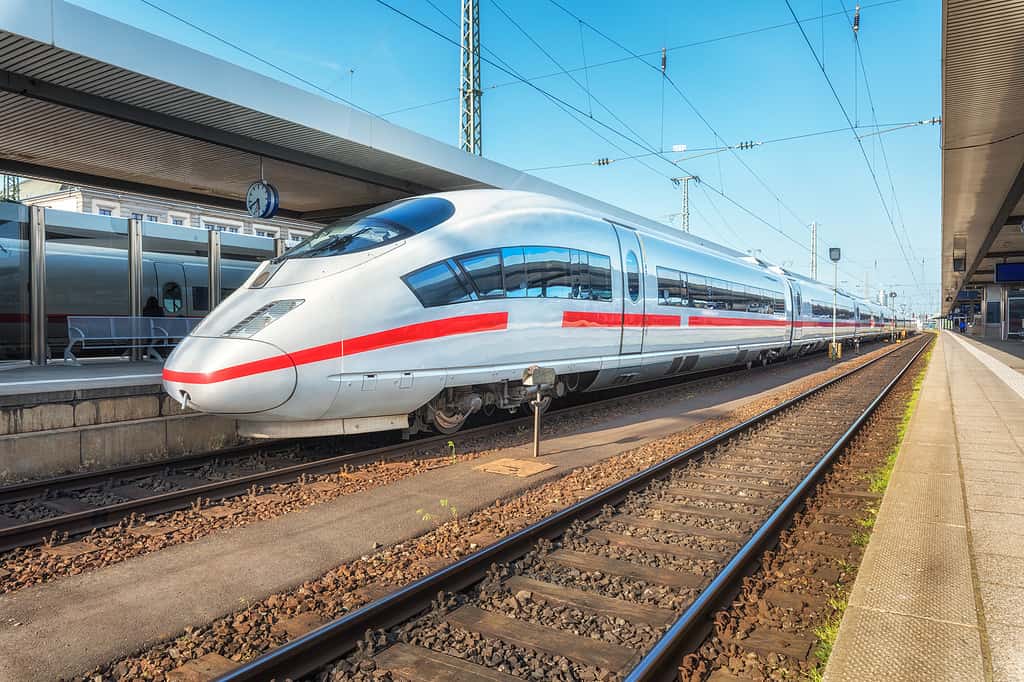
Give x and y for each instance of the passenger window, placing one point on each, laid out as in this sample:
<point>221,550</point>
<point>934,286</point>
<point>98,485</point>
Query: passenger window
<point>200,298</point>
<point>484,270</point>
<point>172,298</point>
<point>600,277</point>
<point>224,293</point>
<point>633,276</point>
<point>437,285</point>
<point>515,272</point>
<point>547,272</point>
<point>697,288</point>
<point>670,287</point>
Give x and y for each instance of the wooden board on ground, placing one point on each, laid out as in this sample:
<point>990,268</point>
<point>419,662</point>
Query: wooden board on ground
<point>589,601</point>
<point>522,468</point>
<point>694,494</point>
<point>678,528</point>
<point>601,537</point>
<point>145,531</point>
<point>71,550</point>
<point>796,601</point>
<point>297,625</point>
<point>658,576</point>
<point>409,662</point>
<point>203,669</point>
<point>221,511</point>
<point>766,642</point>
<point>678,508</point>
<point>543,639</point>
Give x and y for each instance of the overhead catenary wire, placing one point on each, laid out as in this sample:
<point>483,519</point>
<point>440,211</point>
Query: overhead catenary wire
<point>860,144</point>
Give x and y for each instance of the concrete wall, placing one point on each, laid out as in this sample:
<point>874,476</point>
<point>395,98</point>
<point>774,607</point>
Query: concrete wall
<point>64,436</point>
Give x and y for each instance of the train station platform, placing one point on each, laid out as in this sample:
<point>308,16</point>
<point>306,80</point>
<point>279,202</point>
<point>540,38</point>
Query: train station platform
<point>58,418</point>
<point>940,592</point>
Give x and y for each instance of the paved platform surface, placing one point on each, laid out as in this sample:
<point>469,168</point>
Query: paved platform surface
<point>1010,352</point>
<point>90,619</point>
<point>940,593</point>
<point>30,384</point>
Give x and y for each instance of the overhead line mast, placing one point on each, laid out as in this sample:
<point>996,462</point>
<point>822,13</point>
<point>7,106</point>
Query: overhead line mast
<point>470,93</point>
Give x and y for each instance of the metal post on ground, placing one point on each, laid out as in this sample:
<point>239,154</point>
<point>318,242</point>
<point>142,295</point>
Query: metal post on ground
<point>37,282</point>
<point>135,284</point>
<point>834,255</point>
<point>213,268</point>
<point>279,247</point>
<point>536,423</point>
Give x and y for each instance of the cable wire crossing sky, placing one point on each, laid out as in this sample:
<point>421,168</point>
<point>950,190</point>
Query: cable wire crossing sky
<point>790,112</point>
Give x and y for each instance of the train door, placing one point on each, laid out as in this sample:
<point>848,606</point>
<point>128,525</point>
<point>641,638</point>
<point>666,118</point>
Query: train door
<point>170,286</point>
<point>797,301</point>
<point>632,291</point>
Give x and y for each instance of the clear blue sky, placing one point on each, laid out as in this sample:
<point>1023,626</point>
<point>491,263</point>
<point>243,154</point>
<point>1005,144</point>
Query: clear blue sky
<point>761,85</point>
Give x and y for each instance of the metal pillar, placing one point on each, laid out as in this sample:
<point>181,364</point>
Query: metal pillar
<point>11,188</point>
<point>279,247</point>
<point>470,93</point>
<point>135,282</point>
<point>213,267</point>
<point>814,250</point>
<point>37,282</point>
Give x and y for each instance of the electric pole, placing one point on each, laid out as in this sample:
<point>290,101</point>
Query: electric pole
<point>814,250</point>
<point>470,124</point>
<point>11,189</point>
<point>684,215</point>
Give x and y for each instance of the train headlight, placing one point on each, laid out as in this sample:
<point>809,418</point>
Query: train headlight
<point>259,320</point>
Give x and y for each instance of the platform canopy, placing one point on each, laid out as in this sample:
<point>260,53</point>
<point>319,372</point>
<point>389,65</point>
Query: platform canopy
<point>89,100</point>
<point>982,141</point>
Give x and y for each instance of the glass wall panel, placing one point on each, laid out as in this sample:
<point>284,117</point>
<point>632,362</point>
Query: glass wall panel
<point>174,271</point>
<point>15,334</point>
<point>86,271</point>
<point>240,254</point>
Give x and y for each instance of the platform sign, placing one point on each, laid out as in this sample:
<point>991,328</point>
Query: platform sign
<point>1009,272</point>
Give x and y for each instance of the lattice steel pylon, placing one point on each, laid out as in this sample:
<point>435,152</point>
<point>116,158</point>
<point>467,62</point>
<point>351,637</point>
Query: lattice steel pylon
<point>470,123</point>
<point>11,189</point>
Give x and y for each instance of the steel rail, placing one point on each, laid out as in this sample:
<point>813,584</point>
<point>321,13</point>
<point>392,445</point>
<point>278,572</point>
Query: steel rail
<point>332,640</point>
<point>37,532</point>
<point>662,661</point>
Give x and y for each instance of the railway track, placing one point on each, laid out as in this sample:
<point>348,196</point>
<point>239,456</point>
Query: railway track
<point>33,512</point>
<point>617,585</point>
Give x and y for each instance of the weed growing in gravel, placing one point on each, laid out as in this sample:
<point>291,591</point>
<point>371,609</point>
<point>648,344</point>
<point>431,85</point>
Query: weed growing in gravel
<point>451,452</point>
<point>445,505</point>
<point>879,480</point>
<point>860,538</point>
<point>826,634</point>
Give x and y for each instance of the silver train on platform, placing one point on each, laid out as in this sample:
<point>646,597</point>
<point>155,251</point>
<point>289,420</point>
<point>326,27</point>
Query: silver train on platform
<point>417,314</point>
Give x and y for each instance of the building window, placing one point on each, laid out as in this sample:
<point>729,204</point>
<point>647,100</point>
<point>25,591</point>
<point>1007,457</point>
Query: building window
<point>136,216</point>
<point>153,218</point>
<point>177,221</point>
<point>220,225</point>
<point>104,211</point>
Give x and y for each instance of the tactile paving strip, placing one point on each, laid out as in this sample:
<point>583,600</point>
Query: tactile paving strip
<point>890,646</point>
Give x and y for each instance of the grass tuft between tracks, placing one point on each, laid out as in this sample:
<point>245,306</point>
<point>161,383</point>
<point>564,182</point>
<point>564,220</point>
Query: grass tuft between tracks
<point>878,481</point>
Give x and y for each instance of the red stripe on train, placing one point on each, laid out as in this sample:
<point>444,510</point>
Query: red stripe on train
<point>709,321</point>
<point>580,318</point>
<point>422,331</point>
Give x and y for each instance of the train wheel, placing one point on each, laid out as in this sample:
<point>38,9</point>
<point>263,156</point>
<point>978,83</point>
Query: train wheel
<point>448,423</point>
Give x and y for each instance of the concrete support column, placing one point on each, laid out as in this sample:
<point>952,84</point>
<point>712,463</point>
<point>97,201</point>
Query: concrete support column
<point>37,283</point>
<point>213,263</point>
<point>279,247</point>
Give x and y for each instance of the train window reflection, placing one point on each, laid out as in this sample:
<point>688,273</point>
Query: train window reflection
<point>600,277</point>
<point>376,227</point>
<point>547,272</point>
<point>484,270</point>
<point>200,298</point>
<point>633,276</point>
<point>437,285</point>
<point>515,272</point>
<point>172,298</point>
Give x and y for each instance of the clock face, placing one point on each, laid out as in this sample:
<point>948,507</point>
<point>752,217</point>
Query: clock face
<point>261,200</point>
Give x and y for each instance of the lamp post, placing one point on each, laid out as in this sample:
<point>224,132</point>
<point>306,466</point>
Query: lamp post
<point>892,307</point>
<point>834,254</point>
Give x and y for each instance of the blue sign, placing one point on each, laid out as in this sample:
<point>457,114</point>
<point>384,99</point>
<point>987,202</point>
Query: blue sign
<point>1009,272</point>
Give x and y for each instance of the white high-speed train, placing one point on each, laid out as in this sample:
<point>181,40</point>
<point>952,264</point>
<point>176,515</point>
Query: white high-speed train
<point>420,312</point>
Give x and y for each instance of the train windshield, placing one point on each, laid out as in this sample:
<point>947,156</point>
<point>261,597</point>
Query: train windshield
<point>376,227</point>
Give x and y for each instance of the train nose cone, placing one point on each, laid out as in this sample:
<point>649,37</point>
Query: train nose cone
<point>229,376</point>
